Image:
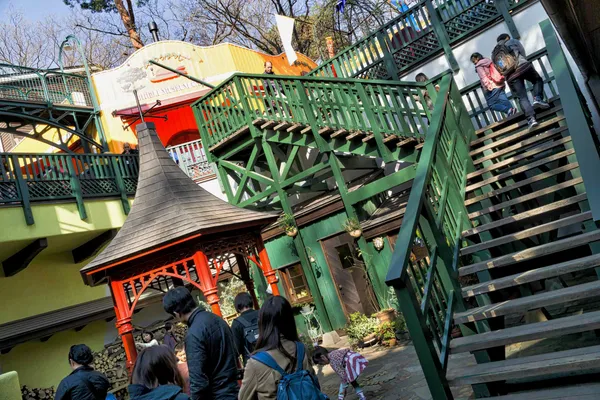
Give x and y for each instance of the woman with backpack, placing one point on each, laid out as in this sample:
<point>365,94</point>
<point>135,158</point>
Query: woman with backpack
<point>493,85</point>
<point>280,366</point>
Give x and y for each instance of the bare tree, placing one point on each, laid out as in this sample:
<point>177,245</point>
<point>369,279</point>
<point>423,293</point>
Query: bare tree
<point>126,11</point>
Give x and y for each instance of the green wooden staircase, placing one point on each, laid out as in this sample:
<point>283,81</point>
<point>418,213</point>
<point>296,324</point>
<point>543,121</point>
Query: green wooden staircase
<point>498,252</point>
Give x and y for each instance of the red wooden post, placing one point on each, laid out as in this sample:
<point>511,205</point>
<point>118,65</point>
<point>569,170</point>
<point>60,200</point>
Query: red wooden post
<point>268,271</point>
<point>207,282</point>
<point>123,323</point>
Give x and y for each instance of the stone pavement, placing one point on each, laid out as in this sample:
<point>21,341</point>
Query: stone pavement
<point>393,373</point>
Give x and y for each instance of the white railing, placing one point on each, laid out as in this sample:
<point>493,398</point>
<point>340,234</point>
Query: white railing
<point>191,159</point>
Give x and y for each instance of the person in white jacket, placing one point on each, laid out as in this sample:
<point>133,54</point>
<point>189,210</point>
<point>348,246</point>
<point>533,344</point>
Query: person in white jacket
<point>148,339</point>
<point>492,84</point>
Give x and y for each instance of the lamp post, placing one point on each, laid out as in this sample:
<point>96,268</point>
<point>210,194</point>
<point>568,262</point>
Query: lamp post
<point>67,45</point>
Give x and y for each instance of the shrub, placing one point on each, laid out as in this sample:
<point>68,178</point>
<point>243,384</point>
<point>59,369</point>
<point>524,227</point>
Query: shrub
<point>359,326</point>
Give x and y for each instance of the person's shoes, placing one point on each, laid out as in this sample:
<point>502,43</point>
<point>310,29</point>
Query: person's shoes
<point>511,112</point>
<point>541,104</point>
<point>361,396</point>
<point>532,123</point>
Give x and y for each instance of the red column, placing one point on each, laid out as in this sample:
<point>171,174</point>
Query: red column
<point>207,282</point>
<point>267,270</point>
<point>123,323</point>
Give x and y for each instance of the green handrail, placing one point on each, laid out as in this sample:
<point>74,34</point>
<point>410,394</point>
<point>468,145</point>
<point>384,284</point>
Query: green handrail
<point>426,30</point>
<point>30,178</point>
<point>423,265</point>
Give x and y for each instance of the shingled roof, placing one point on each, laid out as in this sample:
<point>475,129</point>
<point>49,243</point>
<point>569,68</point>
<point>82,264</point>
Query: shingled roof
<point>169,206</point>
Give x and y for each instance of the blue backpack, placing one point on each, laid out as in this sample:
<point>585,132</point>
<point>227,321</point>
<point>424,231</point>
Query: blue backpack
<point>300,384</point>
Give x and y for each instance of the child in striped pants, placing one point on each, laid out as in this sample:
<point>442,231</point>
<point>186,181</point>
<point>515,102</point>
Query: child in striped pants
<point>347,364</point>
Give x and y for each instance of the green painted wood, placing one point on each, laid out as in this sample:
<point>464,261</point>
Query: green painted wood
<point>120,186</point>
<point>381,185</point>
<point>582,139</point>
<point>76,187</point>
<point>23,191</point>
<point>442,35</point>
<point>502,6</point>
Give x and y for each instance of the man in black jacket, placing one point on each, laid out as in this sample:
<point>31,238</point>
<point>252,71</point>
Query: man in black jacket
<point>211,352</point>
<point>245,327</point>
<point>83,383</point>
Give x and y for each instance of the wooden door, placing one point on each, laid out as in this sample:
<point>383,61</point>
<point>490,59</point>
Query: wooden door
<point>350,279</point>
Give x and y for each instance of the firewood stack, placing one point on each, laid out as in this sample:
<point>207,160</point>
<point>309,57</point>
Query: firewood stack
<point>37,393</point>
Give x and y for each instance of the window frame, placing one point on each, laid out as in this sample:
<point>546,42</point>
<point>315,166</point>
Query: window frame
<point>286,281</point>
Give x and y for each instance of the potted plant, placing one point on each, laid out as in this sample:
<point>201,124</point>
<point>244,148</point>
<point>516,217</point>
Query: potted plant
<point>352,226</point>
<point>362,330</point>
<point>288,224</point>
<point>389,314</point>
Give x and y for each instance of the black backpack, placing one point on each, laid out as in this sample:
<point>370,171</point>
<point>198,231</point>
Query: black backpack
<point>504,59</point>
<point>250,333</point>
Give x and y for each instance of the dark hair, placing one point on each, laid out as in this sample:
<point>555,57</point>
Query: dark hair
<point>276,319</point>
<point>168,326</point>
<point>503,36</point>
<point>242,301</point>
<point>421,77</point>
<point>156,365</point>
<point>81,354</point>
<point>147,333</point>
<point>476,56</point>
<point>179,300</point>
<point>318,352</point>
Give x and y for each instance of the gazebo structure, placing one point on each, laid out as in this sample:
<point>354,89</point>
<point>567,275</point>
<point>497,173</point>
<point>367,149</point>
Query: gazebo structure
<point>176,234</point>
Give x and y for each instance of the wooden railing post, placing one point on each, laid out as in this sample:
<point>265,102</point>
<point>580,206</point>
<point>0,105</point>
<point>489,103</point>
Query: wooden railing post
<point>585,146</point>
<point>76,187</point>
<point>441,34</point>
<point>388,58</point>
<point>23,190</point>
<point>120,184</point>
<point>502,6</point>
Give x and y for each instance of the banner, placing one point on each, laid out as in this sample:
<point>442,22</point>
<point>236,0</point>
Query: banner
<point>285,25</point>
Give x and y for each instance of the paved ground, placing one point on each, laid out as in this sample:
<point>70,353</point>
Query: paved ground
<point>392,374</point>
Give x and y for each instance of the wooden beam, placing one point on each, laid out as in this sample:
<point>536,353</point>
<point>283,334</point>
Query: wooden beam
<point>91,247</point>
<point>19,261</point>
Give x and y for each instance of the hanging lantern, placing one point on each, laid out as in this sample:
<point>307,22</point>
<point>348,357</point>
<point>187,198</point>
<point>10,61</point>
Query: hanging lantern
<point>378,242</point>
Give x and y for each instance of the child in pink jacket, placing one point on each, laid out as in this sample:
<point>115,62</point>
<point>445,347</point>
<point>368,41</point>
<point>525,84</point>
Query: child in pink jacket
<point>493,85</point>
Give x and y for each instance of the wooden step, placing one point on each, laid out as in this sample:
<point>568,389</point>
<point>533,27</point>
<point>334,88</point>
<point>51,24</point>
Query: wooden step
<point>533,231</point>
<point>524,333</point>
<point>527,197</point>
<point>532,253</point>
<point>587,391</point>
<point>523,156</point>
<point>536,212</point>
<point>356,134</point>
<point>522,145</point>
<point>551,271</point>
<point>518,136</point>
<point>339,132</point>
<point>528,181</point>
<point>528,303</point>
<point>513,127</point>
<point>568,362</point>
<point>408,141</point>
<point>516,123</point>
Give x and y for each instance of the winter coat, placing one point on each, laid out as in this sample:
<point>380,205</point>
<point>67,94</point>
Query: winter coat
<point>74,386</point>
<point>162,392</point>
<point>211,357</point>
<point>522,63</point>
<point>483,70</point>
<point>260,382</point>
<point>238,332</point>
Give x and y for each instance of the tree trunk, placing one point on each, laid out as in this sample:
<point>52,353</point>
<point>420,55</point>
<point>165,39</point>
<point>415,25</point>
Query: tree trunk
<point>129,23</point>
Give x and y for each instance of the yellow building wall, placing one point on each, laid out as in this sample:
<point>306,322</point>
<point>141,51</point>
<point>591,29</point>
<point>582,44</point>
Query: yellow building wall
<point>53,219</point>
<point>45,364</point>
<point>50,282</point>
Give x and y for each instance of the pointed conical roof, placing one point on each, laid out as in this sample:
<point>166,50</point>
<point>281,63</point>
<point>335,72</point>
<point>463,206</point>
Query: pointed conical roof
<point>168,207</point>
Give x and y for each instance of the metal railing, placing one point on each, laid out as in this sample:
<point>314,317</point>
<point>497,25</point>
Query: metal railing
<point>426,253</point>
<point>191,158</point>
<point>30,178</point>
<point>426,30</point>
<point>380,107</point>
<point>44,86</point>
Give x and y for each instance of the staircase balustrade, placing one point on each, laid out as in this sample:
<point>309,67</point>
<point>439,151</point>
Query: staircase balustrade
<point>30,178</point>
<point>191,158</point>
<point>415,36</point>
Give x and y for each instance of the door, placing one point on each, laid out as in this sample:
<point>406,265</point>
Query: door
<point>349,275</point>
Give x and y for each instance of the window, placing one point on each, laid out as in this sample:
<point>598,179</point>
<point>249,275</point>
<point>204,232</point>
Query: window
<point>346,255</point>
<point>294,283</point>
